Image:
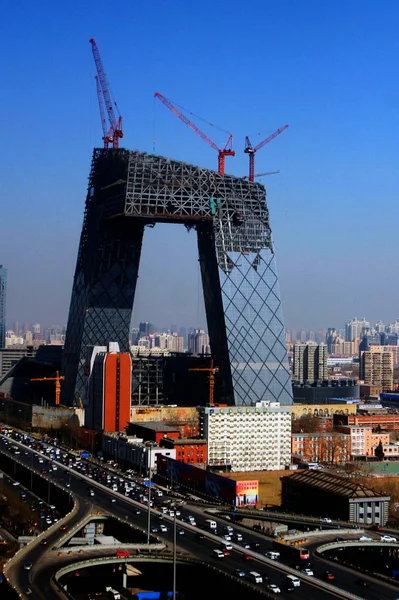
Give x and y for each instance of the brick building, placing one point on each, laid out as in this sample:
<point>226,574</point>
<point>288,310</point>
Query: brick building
<point>321,447</point>
<point>189,451</point>
<point>382,421</point>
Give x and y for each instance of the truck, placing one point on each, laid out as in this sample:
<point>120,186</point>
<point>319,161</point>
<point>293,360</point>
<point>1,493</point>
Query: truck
<point>288,550</point>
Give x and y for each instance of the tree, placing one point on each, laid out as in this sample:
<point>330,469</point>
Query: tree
<point>306,424</point>
<point>379,451</point>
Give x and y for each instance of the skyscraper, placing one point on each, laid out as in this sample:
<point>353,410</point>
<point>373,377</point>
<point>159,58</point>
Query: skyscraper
<point>355,328</point>
<point>376,367</point>
<point>129,191</point>
<point>3,297</point>
<point>310,362</point>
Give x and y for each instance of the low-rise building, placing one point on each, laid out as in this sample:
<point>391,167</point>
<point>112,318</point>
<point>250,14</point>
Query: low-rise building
<point>375,421</point>
<point>247,438</point>
<point>189,451</point>
<point>130,450</point>
<point>153,431</point>
<point>329,447</point>
<point>318,493</point>
<point>299,409</point>
<point>362,439</point>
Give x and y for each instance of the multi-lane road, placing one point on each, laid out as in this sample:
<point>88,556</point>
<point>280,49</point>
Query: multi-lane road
<point>134,513</point>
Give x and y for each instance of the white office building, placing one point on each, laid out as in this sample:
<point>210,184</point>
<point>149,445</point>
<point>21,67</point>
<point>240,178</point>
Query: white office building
<point>247,438</point>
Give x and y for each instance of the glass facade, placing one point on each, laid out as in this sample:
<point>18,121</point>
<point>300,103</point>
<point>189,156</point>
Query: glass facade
<point>255,329</point>
<point>131,190</point>
<point>3,297</point>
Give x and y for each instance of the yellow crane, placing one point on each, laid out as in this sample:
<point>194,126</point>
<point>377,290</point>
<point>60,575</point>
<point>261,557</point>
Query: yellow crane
<point>57,379</point>
<point>211,370</point>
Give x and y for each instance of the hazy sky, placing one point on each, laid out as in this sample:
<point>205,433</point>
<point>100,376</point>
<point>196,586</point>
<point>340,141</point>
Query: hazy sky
<point>329,69</point>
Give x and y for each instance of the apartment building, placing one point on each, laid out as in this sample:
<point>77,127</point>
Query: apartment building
<point>376,367</point>
<point>247,438</point>
<point>362,439</point>
<point>310,362</point>
<point>322,447</point>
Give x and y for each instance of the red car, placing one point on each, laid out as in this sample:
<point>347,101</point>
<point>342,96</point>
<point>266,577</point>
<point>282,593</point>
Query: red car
<point>225,552</point>
<point>376,527</point>
<point>247,556</point>
<point>123,553</point>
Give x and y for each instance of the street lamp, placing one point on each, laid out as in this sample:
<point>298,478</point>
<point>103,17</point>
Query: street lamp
<point>174,551</point>
<point>148,446</point>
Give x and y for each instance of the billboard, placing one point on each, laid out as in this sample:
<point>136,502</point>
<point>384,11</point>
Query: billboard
<point>196,480</point>
<point>247,492</point>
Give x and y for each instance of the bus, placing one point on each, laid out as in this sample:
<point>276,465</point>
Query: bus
<point>289,550</point>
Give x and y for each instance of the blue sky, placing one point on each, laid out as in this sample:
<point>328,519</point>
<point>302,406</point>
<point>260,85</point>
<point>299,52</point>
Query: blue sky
<point>328,69</point>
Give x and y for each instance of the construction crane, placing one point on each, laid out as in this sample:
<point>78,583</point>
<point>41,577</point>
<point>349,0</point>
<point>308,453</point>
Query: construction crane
<point>105,103</point>
<point>252,151</point>
<point>227,150</point>
<point>263,174</point>
<point>211,370</point>
<point>57,379</point>
<point>107,133</point>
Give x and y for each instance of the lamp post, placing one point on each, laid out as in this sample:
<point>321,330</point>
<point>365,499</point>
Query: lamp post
<point>148,446</point>
<point>174,556</point>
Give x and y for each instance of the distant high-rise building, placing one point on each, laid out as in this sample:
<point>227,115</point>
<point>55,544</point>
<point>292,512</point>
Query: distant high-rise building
<point>16,327</point>
<point>393,327</point>
<point>380,327</point>
<point>376,367</point>
<point>173,328</point>
<point>355,328</point>
<point>198,342</point>
<point>3,297</point>
<point>310,362</point>
<point>330,338</point>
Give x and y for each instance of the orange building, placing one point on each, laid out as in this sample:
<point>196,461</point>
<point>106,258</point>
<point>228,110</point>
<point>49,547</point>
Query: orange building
<point>362,439</point>
<point>109,392</point>
<point>189,451</point>
<point>383,421</point>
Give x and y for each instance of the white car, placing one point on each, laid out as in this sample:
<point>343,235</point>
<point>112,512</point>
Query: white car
<point>365,538</point>
<point>273,588</point>
<point>308,572</point>
<point>163,528</point>
<point>325,520</point>
<point>388,538</point>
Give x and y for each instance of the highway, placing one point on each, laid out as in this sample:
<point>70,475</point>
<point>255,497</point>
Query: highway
<point>189,542</point>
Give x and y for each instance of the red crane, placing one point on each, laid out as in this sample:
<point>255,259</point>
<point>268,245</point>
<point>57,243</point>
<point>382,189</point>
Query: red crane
<point>105,102</point>
<point>222,152</point>
<point>251,151</point>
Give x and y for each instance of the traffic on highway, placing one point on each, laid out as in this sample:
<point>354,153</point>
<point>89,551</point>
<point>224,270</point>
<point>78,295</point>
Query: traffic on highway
<point>242,553</point>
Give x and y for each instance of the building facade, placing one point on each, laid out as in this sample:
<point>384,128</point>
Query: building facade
<point>3,299</point>
<point>310,362</point>
<point>130,450</point>
<point>329,447</point>
<point>355,328</point>
<point>129,190</point>
<point>362,439</point>
<point>255,438</point>
<point>109,385</point>
<point>189,451</point>
<point>376,367</point>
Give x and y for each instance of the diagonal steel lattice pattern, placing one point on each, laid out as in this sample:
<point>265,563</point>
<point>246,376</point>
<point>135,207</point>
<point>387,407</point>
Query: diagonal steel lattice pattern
<point>129,190</point>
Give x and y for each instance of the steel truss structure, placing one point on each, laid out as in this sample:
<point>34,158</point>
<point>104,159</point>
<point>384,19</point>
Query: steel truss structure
<point>129,190</point>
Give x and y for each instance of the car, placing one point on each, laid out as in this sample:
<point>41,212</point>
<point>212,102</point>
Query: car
<point>266,577</point>
<point>328,575</point>
<point>339,539</point>
<point>122,554</point>
<point>181,531</point>
<point>113,500</point>
<point>227,538</point>
<point>63,527</point>
<point>387,538</point>
<point>376,527</point>
<point>239,573</point>
<point>28,566</point>
<point>325,520</point>
<point>307,572</point>
<point>362,582</point>
<point>16,483</point>
<point>163,528</point>
<point>225,551</point>
<point>365,538</point>
<point>44,542</point>
<point>154,530</point>
<point>200,536</point>
<point>247,557</point>
<point>137,511</point>
<point>246,545</point>
<point>272,587</point>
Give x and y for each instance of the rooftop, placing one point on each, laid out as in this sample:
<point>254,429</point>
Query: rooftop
<point>155,426</point>
<point>333,484</point>
<point>191,441</point>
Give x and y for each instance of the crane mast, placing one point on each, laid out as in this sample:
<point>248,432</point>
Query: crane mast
<point>105,102</point>
<point>252,151</point>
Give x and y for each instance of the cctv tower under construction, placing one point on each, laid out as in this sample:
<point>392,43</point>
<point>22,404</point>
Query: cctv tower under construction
<point>129,190</point>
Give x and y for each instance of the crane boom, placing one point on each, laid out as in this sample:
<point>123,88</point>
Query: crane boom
<point>227,150</point>
<point>100,97</point>
<point>270,138</point>
<point>116,123</point>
